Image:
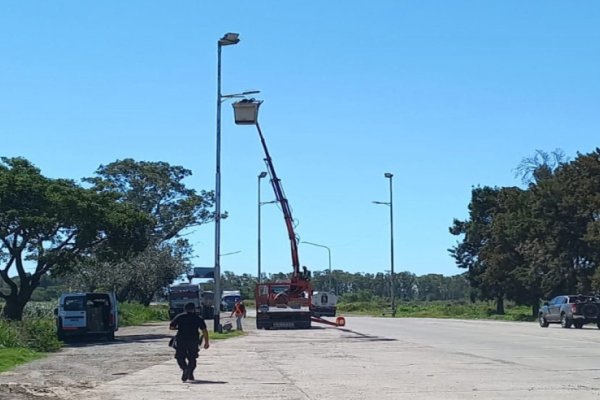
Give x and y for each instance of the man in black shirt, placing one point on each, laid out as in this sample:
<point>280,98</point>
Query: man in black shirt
<point>187,325</point>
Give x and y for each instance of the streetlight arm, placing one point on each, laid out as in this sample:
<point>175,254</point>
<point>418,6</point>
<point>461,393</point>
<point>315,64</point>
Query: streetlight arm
<point>385,203</point>
<point>238,95</point>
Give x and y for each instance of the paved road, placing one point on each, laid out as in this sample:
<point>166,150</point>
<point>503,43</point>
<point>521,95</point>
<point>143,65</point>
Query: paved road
<point>377,358</point>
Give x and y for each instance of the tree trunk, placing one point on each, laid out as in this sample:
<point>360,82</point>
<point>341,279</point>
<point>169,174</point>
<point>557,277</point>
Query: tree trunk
<point>535,309</point>
<point>13,309</point>
<point>148,299</point>
<point>500,306</point>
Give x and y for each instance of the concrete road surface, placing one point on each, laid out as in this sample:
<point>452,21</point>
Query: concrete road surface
<point>382,358</point>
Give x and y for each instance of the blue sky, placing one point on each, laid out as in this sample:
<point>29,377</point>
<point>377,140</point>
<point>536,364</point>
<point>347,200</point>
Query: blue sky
<point>444,95</point>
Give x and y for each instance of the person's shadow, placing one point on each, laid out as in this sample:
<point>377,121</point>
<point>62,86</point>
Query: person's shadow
<point>203,382</point>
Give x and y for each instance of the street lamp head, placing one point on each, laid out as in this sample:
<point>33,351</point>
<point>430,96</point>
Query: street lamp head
<point>262,174</point>
<point>229,39</point>
<point>388,175</point>
<point>385,203</point>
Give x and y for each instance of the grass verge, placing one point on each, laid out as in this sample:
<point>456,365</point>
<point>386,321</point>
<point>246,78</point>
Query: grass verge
<point>11,357</point>
<point>225,335</point>
<point>440,309</point>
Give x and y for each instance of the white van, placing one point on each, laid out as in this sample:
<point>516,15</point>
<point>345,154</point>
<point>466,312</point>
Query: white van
<point>324,304</point>
<point>80,314</point>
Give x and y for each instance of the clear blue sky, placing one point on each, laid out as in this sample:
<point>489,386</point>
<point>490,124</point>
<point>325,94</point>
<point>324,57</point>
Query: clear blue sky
<point>444,95</point>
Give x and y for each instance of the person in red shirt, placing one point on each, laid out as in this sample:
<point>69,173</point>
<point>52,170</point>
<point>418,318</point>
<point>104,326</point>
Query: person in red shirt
<point>239,310</point>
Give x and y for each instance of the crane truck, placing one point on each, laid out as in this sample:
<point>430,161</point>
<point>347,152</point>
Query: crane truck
<point>286,304</point>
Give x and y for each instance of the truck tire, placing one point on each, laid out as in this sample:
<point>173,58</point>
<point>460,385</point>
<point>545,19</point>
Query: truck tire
<point>590,310</point>
<point>565,321</point>
<point>543,322</point>
<point>578,324</point>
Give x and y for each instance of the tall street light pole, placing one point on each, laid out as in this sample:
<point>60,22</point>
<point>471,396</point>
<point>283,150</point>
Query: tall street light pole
<point>392,277</point>
<point>227,40</point>
<point>329,254</point>
<point>260,176</point>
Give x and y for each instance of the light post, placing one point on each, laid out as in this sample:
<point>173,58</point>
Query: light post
<point>260,176</point>
<point>227,40</point>
<point>329,254</point>
<point>392,276</point>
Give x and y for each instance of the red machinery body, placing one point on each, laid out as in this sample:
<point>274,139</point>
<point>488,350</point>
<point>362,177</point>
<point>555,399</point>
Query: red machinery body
<point>286,304</point>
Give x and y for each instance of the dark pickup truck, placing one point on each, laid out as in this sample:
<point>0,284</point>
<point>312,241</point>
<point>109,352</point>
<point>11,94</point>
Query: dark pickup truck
<point>570,310</point>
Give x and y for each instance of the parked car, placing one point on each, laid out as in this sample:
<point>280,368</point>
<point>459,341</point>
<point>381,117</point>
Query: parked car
<point>570,310</point>
<point>82,314</point>
<point>229,301</point>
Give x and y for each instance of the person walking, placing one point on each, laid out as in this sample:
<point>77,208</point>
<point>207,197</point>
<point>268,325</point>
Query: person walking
<point>188,324</point>
<point>239,310</point>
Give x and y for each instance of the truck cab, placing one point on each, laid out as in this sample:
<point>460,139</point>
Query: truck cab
<point>86,314</point>
<point>180,295</point>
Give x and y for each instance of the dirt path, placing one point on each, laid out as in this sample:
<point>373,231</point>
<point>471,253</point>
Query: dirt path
<point>84,365</point>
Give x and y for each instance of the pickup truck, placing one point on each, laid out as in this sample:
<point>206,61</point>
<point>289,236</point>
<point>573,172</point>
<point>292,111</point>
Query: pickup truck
<point>570,310</point>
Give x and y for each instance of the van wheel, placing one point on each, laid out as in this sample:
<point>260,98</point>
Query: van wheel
<point>543,322</point>
<point>110,336</point>
<point>61,336</point>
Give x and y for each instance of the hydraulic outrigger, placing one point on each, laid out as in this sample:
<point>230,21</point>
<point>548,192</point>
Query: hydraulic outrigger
<point>281,304</point>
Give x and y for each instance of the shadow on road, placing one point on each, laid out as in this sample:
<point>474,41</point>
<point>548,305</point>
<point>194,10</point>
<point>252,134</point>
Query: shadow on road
<point>201,382</point>
<point>364,336</point>
<point>122,339</point>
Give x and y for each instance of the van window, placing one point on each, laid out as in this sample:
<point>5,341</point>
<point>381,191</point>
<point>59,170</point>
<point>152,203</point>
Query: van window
<point>74,304</point>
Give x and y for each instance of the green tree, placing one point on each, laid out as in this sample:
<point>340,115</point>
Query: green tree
<point>156,189</point>
<point>49,224</point>
<point>488,248</point>
<point>566,207</point>
<point>140,278</point>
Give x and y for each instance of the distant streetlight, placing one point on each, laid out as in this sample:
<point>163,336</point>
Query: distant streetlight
<point>329,253</point>
<point>260,177</point>
<point>392,276</point>
<point>260,204</point>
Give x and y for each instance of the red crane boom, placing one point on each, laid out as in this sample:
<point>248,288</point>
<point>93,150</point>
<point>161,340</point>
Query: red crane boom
<point>300,278</point>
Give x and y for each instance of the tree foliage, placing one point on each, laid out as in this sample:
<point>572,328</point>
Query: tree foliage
<point>52,223</point>
<point>525,245</point>
<point>157,190</point>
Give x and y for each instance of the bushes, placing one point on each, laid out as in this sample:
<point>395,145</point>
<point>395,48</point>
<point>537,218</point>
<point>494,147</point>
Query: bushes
<point>9,335</point>
<point>361,307</point>
<point>41,334</point>
<point>136,314</point>
<point>34,334</point>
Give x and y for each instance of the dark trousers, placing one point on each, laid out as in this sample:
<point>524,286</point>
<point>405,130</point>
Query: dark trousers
<point>187,353</point>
